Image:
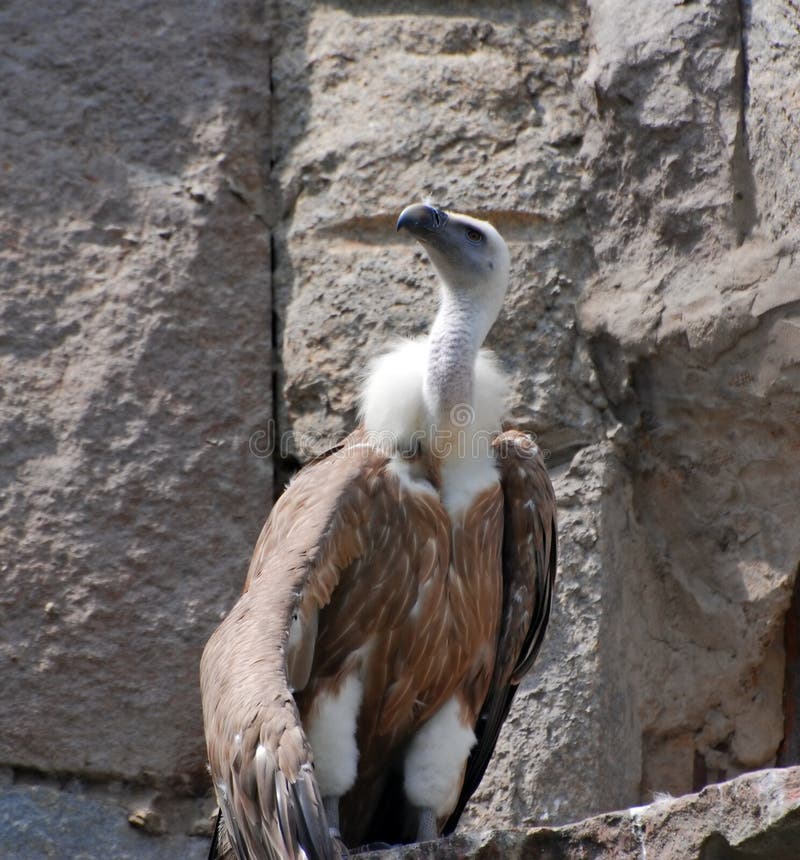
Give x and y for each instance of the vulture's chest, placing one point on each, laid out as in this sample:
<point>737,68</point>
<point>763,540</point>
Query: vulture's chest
<point>415,617</point>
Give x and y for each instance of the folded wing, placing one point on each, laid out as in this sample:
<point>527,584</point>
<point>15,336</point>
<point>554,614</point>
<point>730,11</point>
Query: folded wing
<point>529,570</point>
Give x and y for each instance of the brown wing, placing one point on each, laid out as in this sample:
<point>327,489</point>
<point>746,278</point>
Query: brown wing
<point>260,759</point>
<point>393,619</point>
<point>529,570</point>
<point>339,516</point>
<point>404,553</point>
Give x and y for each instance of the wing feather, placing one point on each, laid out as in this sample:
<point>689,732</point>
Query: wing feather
<point>529,570</point>
<point>261,762</point>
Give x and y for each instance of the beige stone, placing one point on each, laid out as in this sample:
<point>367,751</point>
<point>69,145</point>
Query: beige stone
<point>135,304</point>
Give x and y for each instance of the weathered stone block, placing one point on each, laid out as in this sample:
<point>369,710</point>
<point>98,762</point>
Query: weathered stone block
<point>135,364</point>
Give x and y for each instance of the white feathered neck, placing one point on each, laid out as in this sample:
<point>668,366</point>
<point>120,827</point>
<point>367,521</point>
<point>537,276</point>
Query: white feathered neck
<point>393,406</point>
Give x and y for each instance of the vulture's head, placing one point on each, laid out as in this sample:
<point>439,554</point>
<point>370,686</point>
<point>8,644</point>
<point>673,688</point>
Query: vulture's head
<point>469,255</point>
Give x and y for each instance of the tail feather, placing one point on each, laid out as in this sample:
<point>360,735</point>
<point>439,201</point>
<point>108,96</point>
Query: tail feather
<point>216,851</point>
<point>284,804</point>
<point>270,815</point>
<point>311,818</point>
<point>235,836</point>
<point>294,827</point>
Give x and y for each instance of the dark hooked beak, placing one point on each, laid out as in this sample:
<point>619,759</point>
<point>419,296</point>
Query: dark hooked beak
<point>421,219</point>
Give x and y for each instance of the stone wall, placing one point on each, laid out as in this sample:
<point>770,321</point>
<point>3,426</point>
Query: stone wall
<point>135,365</point>
<point>198,257</point>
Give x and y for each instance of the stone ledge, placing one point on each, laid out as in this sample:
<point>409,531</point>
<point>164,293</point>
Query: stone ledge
<point>755,815</point>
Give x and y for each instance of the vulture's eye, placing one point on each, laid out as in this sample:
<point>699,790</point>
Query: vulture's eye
<point>474,235</point>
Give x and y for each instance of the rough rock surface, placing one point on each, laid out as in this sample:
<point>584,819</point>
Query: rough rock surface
<point>185,186</point>
<point>757,815</point>
<point>628,153</point>
<point>43,821</point>
<point>134,318</point>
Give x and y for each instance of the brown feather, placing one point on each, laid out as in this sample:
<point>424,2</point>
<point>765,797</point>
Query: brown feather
<point>529,571</point>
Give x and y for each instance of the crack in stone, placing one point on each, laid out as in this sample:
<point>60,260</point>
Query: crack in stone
<point>745,212</point>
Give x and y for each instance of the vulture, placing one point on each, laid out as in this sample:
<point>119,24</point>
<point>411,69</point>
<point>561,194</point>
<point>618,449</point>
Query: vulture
<point>398,593</point>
